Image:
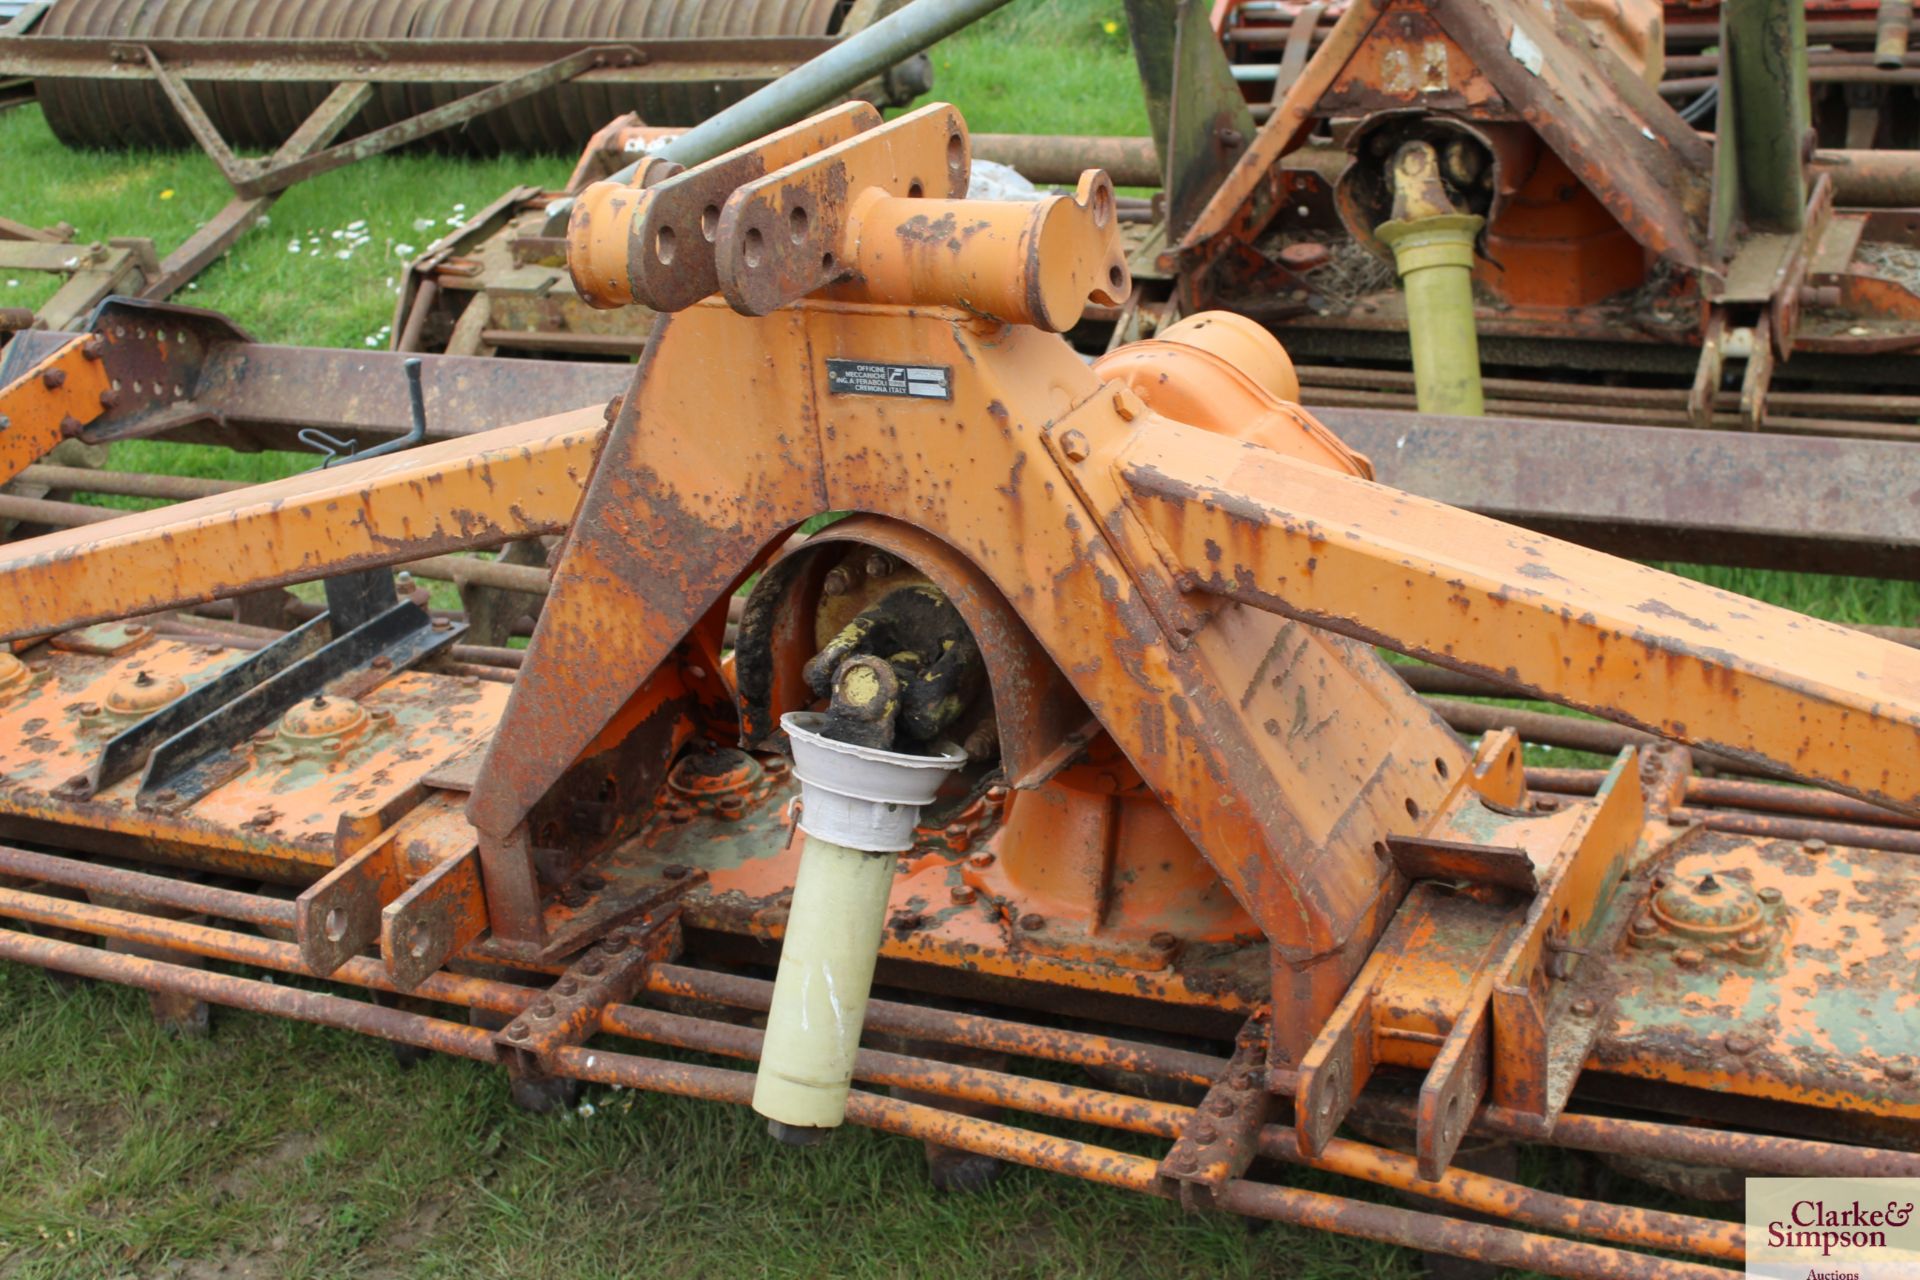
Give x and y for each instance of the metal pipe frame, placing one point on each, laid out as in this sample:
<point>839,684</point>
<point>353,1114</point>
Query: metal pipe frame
<point>1460,1189</point>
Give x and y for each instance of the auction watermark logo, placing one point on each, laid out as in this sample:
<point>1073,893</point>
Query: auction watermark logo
<point>1833,1228</point>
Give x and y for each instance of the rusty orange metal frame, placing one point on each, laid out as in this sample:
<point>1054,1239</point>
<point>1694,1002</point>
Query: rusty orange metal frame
<point>51,402</point>
<point>1172,573</point>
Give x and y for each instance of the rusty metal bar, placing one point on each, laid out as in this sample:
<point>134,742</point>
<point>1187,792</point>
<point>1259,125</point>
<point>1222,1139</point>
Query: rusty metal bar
<point>1061,158</point>
<point>1585,398</point>
<point>1066,1101</point>
<point>891,1018</point>
<point>434,499</point>
<point>1605,486</point>
<point>1874,179</point>
<point>1732,793</point>
<point>1754,1153</point>
<point>1574,733</point>
<point>460,570</point>
<point>1438,583</point>
<point>1812,833</point>
<point>412,60</point>
<point>164,891</point>
<point>257,395</point>
<point>1390,1224</point>
<point>127,484</point>
<point>1461,1188</point>
<point>50,511</point>
<point>1327,398</point>
<point>321,1008</point>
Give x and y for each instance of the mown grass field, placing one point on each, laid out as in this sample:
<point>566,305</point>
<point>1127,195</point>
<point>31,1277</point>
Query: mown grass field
<point>273,1149</point>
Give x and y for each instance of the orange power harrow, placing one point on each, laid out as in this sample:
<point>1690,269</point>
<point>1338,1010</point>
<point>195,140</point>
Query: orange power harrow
<point>1191,826</point>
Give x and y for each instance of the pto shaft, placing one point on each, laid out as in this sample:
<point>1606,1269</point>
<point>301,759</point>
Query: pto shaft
<point>859,806</point>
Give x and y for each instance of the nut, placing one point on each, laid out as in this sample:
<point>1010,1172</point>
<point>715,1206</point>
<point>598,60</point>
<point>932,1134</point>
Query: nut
<point>963,894</point>
<point>1074,445</point>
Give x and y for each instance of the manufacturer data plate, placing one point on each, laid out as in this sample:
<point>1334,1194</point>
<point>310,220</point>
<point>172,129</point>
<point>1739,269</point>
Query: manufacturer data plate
<point>867,378</point>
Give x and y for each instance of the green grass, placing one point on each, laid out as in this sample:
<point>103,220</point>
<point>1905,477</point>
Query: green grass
<point>275,1149</point>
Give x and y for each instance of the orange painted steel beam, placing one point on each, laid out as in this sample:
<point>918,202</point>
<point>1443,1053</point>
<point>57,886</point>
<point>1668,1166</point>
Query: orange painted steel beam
<point>456,495</point>
<point>1687,661</point>
<point>50,401</point>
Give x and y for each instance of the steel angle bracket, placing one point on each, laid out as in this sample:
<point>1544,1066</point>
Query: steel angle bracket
<point>1513,1036</point>
<point>201,756</point>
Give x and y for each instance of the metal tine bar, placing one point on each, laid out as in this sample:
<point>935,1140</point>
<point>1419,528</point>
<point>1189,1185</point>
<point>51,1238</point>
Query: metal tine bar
<point>1064,1101</point>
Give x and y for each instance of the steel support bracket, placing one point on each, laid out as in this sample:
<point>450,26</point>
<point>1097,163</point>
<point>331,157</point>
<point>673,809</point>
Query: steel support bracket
<point>1224,1135</point>
<point>610,972</point>
<point>1483,950</point>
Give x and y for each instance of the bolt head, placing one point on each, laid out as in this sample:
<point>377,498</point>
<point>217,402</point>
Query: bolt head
<point>1585,1008</point>
<point>1074,445</point>
<point>54,379</point>
<point>963,894</point>
<point>1739,1044</point>
<point>1033,922</point>
<point>1770,896</point>
<point>1163,941</point>
<point>1899,1071</point>
<point>981,860</point>
<point>1815,845</point>
<point>675,871</point>
<point>517,1031</point>
<point>1689,958</point>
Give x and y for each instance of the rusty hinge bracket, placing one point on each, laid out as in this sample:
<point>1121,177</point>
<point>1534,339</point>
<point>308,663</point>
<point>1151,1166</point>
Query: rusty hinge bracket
<point>609,972</point>
<point>1224,1134</point>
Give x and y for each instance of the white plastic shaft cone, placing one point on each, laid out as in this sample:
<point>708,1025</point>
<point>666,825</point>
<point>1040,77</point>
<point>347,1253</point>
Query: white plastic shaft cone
<point>839,909</point>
